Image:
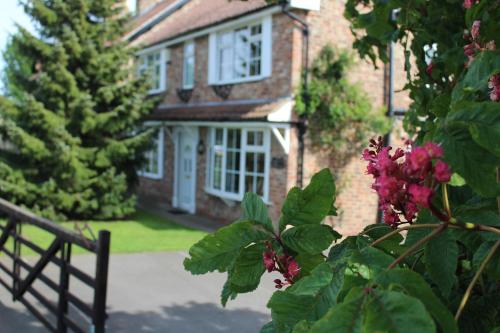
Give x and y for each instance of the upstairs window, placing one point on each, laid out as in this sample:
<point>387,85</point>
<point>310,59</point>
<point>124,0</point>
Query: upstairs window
<point>154,64</point>
<point>242,54</point>
<point>238,162</point>
<point>189,63</point>
<point>153,167</point>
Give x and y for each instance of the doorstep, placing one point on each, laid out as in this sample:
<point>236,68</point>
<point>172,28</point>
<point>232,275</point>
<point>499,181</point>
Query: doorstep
<point>185,219</point>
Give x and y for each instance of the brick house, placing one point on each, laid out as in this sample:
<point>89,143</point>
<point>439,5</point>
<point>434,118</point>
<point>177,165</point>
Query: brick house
<point>226,74</point>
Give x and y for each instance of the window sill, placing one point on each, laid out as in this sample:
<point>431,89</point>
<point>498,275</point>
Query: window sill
<point>237,81</point>
<point>156,92</point>
<point>234,198</point>
<point>151,176</point>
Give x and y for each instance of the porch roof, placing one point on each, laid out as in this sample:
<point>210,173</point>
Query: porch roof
<point>275,111</point>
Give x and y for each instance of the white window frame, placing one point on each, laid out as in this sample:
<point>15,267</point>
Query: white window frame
<point>214,76</point>
<point>244,149</point>
<point>162,62</point>
<point>189,55</point>
<point>160,144</point>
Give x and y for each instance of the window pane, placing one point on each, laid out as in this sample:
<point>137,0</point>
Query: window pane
<point>232,182</point>
<point>233,161</point>
<point>241,53</point>
<point>256,30</point>
<point>234,138</point>
<point>254,172</point>
<point>218,170</point>
<point>255,138</point>
<point>219,136</point>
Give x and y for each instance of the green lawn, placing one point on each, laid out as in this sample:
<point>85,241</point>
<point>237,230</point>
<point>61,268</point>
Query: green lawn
<point>143,232</point>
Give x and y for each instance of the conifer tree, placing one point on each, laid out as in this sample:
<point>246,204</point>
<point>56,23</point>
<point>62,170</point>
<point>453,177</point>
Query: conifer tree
<point>71,123</point>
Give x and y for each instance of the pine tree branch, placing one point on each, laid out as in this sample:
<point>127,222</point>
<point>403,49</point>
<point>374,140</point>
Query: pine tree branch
<point>417,245</point>
<point>474,280</point>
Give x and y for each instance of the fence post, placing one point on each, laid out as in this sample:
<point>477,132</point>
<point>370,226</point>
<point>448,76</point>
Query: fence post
<point>16,268</point>
<point>101,281</point>
<point>62,306</point>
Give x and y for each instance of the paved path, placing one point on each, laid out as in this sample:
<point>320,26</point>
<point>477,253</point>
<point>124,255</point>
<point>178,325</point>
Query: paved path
<point>152,293</point>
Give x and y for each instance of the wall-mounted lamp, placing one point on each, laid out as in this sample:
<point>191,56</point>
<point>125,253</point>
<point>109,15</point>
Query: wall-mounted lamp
<point>201,147</point>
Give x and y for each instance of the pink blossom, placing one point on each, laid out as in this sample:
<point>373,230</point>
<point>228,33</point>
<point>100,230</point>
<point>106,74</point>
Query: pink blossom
<point>435,151</point>
<point>269,261</point>
<point>410,211</point>
<point>421,195</point>
<point>475,29</point>
<point>494,85</point>
<point>442,172</point>
<point>419,158</point>
<point>429,69</point>
<point>469,3</point>
<point>293,269</point>
<point>391,218</point>
<point>402,179</point>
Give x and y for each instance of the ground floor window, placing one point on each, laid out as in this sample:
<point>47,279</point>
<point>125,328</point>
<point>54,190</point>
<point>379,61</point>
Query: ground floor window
<point>153,167</point>
<point>238,162</point>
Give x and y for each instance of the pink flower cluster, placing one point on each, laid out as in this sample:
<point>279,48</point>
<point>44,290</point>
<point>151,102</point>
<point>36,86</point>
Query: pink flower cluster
<point>405,180</point>
<point>469,3</point>
<point>494,85</point>
<point>475,46</point>
<point>284,264</point>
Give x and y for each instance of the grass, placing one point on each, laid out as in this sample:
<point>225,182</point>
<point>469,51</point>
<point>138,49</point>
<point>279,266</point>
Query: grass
<point>143,232</point>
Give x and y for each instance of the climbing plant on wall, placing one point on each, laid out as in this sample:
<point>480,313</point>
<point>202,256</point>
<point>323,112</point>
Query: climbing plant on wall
<point>341,117</point>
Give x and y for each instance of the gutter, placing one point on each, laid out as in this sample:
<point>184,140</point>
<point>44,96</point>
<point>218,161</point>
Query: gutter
<point>302,123</point>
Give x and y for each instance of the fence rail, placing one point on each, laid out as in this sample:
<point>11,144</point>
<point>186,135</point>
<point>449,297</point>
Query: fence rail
<point>23,274</point>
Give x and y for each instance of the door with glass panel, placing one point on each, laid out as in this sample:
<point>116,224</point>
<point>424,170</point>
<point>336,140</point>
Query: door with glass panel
<point>186,168</point>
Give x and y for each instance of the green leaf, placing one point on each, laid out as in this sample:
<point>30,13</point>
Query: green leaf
<point>344,317</point>
<point>302,327</point>
<point>288,309</point>
<point>311,239</point>
<point>311,205</point>
<point>245,273</point>
<point>308,262</point>
<point>314,295</point>
<point>254,209</point>
<point>391,311</point>
<point>493,267</point>
<point>441,257</point>
<point>219,250</point>
<point>312,284</point>
<point>476,79</point>
<point>369,261</point>
<point>268,328</point>
<point>227,293</point>
<point>482,120</point>
<point>471,161</point>
<point>415,286</point>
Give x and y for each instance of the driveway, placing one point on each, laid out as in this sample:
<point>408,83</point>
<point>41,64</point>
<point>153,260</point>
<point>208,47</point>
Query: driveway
<point>151,292</point>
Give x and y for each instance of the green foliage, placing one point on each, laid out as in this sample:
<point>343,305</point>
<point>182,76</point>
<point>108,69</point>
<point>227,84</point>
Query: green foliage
<point>69,112</point>
<point>443,275</point>
<point>340,115</point>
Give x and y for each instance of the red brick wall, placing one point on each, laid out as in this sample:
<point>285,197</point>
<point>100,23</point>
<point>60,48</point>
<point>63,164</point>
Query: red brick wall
<point>276,86</point>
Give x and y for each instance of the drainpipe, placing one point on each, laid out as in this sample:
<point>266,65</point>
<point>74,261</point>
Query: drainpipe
<point>389,94</point>
<point>302,124</point>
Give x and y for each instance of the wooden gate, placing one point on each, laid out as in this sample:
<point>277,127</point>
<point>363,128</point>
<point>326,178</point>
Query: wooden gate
<point>23,275</point>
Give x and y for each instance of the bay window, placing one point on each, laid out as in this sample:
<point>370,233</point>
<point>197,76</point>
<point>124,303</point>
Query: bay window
<point>153,167</point>
<point>238,162</point>
<point>154,64</point>
<point>241,54</point>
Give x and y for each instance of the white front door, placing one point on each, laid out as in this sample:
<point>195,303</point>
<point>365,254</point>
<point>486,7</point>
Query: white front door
<point>187,139</point>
